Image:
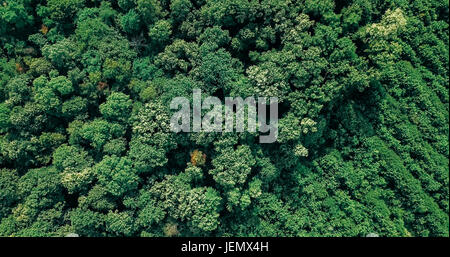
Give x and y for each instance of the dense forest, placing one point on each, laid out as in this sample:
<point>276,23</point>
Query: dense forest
<point>362,147</point>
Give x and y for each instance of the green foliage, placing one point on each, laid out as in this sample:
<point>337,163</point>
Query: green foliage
<point>116,175</point>
<point>15,16</point>
<point>63,9</point>
<point>98,132</point>
<point>117,107</point>
<point>362,147</point>
<point>8,185</point>
<point>61,84</point>
<point>231,167</point>
<point>130,22</point>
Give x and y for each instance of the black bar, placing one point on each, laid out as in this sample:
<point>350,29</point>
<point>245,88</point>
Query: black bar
<point>255,246</point>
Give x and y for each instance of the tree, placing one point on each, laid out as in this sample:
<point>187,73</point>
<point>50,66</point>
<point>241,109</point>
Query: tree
<point>8,186</point>
<point>61,84</point>
<point>99,132</point>
<point>117,107</point>
<point>14,17</point>
<point>231,167</point>
<point>116,174</point>
<point>151,138</point>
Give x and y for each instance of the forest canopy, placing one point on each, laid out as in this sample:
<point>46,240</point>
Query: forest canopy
<point>85,89</point>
